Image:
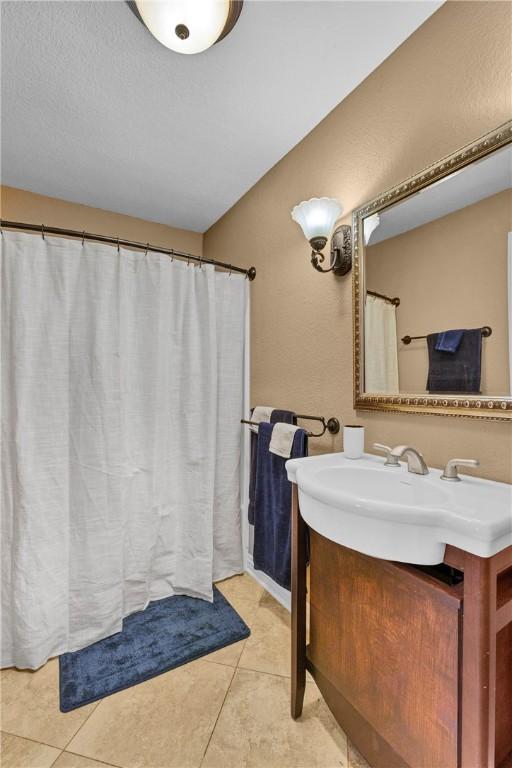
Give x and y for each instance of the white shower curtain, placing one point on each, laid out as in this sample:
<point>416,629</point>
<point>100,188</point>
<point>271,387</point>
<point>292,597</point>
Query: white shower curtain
<point>380,346</point>
<point>122,397</point>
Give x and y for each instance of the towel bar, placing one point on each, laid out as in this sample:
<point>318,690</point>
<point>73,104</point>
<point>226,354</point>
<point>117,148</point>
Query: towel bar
<point>486,331</point>
<point>332,425</point>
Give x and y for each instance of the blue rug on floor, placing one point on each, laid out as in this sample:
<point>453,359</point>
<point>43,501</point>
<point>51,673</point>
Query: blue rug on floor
<point>169,633</point>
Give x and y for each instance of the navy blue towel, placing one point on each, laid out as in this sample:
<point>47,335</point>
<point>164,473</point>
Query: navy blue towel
<point>288,417</point>
<point>449,341</point>
<point>458,371</point>
<point>272,509</point>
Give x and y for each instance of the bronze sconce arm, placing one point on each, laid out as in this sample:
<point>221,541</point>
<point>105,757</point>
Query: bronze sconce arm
<point>341,251</point>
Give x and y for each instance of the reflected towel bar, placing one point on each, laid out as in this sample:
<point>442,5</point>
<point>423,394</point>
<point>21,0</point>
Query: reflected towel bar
<point>486,331</point>
<point>332,425</point>
<point>395,300</point>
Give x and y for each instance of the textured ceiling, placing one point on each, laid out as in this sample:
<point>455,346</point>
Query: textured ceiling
<point>96,111</point>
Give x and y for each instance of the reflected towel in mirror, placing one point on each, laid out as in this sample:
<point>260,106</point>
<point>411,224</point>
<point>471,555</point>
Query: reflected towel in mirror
<point>449,341</point>
<point>459,371</point>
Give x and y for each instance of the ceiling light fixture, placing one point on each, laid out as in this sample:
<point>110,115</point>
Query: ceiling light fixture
<point>188,26</point>
<point>317,218</point>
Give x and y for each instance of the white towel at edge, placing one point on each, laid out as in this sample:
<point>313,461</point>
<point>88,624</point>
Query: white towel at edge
<point>260,413</point>
<point>281,441</point>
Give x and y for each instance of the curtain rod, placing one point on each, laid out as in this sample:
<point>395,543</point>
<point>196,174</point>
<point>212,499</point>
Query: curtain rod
<point>395,300</point>
<point>41,229</point>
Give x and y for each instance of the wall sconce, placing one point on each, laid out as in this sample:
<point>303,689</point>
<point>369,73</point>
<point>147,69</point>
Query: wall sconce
<point>317,218</point>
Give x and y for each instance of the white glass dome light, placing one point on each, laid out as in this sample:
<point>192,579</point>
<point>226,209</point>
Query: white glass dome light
<point>317,217</point>
<point>189,26</point>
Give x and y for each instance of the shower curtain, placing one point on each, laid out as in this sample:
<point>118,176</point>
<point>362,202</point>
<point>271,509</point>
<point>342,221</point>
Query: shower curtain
<point>122,382</point>
<point>380,346</point>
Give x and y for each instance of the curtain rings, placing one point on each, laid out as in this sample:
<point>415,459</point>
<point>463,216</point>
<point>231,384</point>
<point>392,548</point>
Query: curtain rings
<point>118,246</point>
<point>83,238</point>
<point>172,255</point>
<point>200,262</point>
<point>146,251</point>
<point>42,231</point>
<point>230,268</point>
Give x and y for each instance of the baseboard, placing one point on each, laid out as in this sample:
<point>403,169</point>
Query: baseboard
<point>279,593</point>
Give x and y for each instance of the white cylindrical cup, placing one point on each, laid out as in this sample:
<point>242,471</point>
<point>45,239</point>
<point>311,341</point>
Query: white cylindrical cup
<point>353,441</point>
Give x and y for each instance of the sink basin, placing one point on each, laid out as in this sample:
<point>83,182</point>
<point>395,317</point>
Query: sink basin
<point>375,486</point>
<point>394,514</point>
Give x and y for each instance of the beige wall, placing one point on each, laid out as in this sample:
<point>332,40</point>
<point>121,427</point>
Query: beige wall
<point>449,273</point>
<point>19,205</point>
<point>445,86</point>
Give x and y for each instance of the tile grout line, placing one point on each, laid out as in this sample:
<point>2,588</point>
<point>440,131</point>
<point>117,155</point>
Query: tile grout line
<point>86,757</point>
<point>34,741</point>
<point>218,716</point>
<point>29,738</point>
<point>61,749</point>
<point>235,669</point>
<point>60,753</point>
<point>82,724</point>
<point>272,674</point>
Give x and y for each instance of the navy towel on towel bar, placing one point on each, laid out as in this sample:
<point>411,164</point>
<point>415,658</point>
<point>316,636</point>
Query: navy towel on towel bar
<point>459,371</point>
<point>288,417</point>
<point>272,508</point>
<point>449,341</point>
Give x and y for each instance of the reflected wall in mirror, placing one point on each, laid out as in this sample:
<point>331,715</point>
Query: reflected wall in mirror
<point>433,287</point>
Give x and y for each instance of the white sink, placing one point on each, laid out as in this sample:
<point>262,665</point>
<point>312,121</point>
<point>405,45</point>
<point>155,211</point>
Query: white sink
<point>394,514</point>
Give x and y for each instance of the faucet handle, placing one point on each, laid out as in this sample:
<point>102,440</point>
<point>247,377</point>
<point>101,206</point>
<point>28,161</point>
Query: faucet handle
<point>450,471</point>
<point>391,461</point>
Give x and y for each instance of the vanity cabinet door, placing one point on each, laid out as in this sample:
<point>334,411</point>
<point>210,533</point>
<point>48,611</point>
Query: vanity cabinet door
<point>387,638</point>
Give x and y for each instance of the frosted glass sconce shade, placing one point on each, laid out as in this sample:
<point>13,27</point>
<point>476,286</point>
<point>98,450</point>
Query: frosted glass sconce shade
<point>317,217</point>
<point>188,26</point>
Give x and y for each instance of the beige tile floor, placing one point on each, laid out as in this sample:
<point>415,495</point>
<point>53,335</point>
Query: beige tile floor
<point>227,710</point>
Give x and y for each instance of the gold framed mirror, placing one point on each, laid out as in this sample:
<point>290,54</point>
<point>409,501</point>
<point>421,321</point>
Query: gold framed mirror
<point>432,288</point>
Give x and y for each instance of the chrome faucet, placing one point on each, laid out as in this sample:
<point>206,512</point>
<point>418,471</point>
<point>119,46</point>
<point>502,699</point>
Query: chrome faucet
<point>450,471</point>
<point>415,461</point>
<point>391,461</point>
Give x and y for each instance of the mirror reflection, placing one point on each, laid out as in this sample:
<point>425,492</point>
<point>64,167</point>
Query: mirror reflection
<point>438,277</point>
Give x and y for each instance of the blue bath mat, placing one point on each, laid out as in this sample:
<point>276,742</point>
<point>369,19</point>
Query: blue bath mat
<point>169,633</point>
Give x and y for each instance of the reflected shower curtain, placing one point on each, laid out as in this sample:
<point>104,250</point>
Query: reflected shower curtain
<point>122,398</point>
<point>380,346</point>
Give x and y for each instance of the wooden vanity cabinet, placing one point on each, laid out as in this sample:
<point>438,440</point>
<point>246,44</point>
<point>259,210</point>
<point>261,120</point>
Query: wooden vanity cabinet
<point>417,672</point>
